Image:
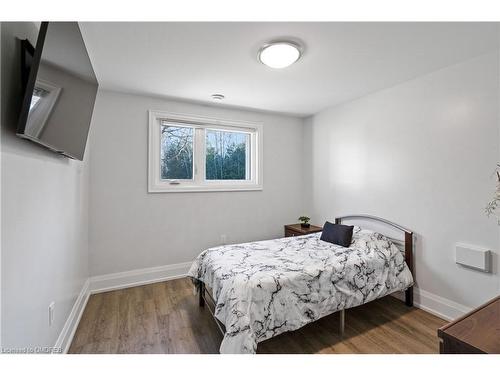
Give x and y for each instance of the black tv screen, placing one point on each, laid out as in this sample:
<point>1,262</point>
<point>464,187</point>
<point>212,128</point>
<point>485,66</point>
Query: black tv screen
<point>60,91</point>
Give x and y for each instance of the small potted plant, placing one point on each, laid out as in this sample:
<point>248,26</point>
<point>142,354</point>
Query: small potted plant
<point>304,221</point>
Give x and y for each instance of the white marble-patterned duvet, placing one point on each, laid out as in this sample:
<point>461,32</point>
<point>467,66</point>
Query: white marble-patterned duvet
<point>265,288</point>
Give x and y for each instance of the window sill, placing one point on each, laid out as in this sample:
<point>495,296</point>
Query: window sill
<point>202,189</point>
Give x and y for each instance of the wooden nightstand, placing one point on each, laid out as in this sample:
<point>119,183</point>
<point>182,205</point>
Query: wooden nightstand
<point>292,230</point>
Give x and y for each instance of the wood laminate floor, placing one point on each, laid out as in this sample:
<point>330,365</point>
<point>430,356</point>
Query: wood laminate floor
<point>165,318</point>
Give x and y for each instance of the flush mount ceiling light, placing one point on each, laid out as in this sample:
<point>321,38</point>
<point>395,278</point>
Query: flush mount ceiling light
<point>218,96</point>
<point>279,55</point>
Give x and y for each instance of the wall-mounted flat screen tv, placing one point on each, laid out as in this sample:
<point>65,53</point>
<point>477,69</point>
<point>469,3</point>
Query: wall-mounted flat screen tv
<point>60,91</point>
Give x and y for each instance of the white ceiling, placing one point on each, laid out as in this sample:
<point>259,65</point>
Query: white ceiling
<point>342,61</point>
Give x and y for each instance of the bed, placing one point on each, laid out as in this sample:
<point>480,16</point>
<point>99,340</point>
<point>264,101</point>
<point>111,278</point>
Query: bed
<point>257,290</point>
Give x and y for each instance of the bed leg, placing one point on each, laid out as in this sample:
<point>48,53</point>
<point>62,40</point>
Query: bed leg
<point>409,297</point>
<point>201,292</point>
<point>342,322</point>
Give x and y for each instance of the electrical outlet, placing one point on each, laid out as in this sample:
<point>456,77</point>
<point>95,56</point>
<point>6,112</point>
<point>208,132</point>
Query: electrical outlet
<point>52,306</point>
<point>223,239</point>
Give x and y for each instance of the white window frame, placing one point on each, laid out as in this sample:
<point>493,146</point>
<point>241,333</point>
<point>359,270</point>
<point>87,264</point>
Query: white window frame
<point>199,183</point>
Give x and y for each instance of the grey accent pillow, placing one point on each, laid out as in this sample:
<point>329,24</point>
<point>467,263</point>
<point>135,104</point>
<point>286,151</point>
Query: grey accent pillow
<point>337,234</point>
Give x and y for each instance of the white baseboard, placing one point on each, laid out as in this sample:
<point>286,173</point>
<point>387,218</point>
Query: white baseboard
<point>436,305</point>
<point>127,279</point>
<point>69,329</point>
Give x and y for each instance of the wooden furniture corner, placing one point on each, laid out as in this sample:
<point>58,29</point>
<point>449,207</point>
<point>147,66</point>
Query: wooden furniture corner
<point>292,230</point>
<point>474,333</point>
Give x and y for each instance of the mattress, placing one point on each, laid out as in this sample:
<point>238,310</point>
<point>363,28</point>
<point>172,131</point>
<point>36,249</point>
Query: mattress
<point>264,288</point>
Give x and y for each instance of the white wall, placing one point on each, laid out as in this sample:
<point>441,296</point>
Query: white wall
<point>421,154</point>
<point>132,229</point>
<point>44,219</point>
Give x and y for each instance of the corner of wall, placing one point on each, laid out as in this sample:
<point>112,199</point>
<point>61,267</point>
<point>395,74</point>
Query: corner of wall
<point>307,167</point>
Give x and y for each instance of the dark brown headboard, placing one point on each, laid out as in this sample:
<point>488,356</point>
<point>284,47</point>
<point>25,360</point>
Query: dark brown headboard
<point>408,244</point>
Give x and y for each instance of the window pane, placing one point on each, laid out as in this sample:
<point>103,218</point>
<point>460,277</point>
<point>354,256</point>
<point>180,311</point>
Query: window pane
<point>227,155</point>
<point>176,152</point>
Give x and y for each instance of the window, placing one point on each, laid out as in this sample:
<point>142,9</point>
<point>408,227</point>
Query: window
<point>37,95</point>
<point>226,155</point>
<point>176,152</point>
<point>192,153</point>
